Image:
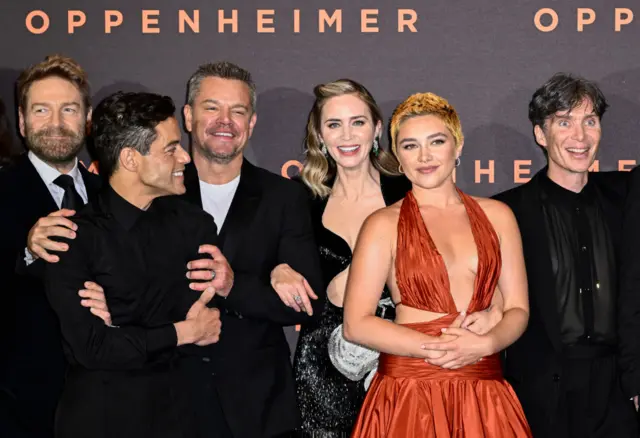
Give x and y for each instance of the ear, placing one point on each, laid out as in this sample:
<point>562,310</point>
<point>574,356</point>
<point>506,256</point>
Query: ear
<point>459,149</point>
<point>541,138</point>
<point>129,159</point>
<point>188,117</point>
<point>252,123</point>
<point>21,122</point>
<point>88,121</point>
<point>378,130</point>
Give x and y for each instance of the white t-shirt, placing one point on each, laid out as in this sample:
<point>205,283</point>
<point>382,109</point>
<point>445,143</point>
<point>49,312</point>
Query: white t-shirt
<point>216,199</point>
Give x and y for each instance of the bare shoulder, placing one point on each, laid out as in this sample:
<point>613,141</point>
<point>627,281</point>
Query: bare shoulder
<point>499,214</point>
<point>382,222</point>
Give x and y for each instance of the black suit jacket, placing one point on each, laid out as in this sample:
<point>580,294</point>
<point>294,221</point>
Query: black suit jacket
<point>533,362</point>
<point>268,223</point>
<point>629,316</point>
<point>32,366</point>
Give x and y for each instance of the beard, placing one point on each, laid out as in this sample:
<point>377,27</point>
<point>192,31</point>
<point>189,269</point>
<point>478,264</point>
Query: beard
<point>55,150</point>
<point>219,157</point>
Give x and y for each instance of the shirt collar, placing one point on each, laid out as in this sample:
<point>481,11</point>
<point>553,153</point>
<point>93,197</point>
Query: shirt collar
<point>559,193</point>
<point>120,209</point>
<point>49,173</point>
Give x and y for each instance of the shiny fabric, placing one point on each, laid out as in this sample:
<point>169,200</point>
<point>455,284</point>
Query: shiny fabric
<point>583,263</point>
<point>411,398</point>
<point>328,400</point>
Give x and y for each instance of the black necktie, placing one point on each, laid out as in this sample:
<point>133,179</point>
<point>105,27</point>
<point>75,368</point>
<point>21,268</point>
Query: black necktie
<point>71,199</point>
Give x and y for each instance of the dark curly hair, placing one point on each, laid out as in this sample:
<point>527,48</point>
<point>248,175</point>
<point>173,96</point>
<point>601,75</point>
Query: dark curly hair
<point>564,92</point>
<point>126,120</point>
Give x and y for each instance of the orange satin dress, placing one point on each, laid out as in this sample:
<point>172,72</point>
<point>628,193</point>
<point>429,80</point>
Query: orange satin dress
<point>411,398</point>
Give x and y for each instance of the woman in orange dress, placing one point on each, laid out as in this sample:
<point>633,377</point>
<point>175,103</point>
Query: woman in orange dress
<point>443,254</point>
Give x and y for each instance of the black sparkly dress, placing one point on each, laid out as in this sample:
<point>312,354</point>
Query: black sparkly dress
<point>330,402</point>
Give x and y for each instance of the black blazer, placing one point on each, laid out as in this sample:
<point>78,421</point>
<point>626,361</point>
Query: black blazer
<point>533,362</point>
<point>268,223</point>
<point>629,314</point>
<point>32,365</point>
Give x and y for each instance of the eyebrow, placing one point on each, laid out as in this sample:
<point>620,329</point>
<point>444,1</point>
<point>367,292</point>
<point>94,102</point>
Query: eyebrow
<point>568,116</point>
<point>362,116</point>
<point>429,137</point>
<point>172,144</point>
<point>48,104</point>
<point>216,102</point>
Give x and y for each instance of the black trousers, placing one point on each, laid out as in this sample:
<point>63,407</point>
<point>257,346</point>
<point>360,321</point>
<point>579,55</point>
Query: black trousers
<point>591,402</point>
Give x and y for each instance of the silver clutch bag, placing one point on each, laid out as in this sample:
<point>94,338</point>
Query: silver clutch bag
<point>352,360</point>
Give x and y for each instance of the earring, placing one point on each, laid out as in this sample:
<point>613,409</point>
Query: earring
<point>323,148</point>
<point>400,169</point>
<point>457,161</point>
<point>376,147</point>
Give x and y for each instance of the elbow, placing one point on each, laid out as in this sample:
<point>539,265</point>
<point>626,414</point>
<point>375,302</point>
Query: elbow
<point>350,331</point>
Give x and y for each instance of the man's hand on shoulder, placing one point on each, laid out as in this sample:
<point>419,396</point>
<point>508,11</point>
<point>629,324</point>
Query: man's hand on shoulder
<point>56,224</point>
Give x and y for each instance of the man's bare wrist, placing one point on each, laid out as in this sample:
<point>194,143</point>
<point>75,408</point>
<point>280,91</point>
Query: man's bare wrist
<point>185,331</point>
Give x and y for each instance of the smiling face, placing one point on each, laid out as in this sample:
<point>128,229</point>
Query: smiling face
<point>426,150</point>
<point>221,119</point>
<point>571,139</point>
<point>347,129</point>
<point>162,169</point>
<point>53,121</point>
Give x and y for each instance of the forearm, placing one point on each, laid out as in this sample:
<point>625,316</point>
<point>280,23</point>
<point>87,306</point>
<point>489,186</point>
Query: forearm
<point>509,329</point>
<point>386,336</point>
<point>252,297</point>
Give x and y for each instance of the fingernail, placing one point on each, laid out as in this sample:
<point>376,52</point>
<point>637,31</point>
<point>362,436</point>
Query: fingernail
<point>189,265</point>
<point>188,274</point>
<point>444,330</point>
<point>463,313</point>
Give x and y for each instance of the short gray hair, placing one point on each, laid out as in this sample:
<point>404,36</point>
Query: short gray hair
<point>223,70</point>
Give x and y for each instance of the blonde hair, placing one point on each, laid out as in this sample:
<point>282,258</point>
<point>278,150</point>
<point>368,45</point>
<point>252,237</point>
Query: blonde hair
<point>54,66</point>
<point>423,104</point>
<point>319,168</point>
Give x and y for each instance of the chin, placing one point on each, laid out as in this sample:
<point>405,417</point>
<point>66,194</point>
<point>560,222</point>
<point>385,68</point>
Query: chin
<point>351,162</point>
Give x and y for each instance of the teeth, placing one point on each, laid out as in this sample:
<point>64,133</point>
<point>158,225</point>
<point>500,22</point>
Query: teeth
<point>223,134</point>
<point>177,173</point>
<point>348,149</point>
<point>577,150</point>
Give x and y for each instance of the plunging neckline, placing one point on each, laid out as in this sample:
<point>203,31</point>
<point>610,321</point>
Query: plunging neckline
<point>440,258</point>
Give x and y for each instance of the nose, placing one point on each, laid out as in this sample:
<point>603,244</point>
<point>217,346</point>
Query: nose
<point>225,116</point>
<point>183,156</point>
<point>346,132</point>
<point>56,118</point>
<point>424,154</point>
<point>579,132</point>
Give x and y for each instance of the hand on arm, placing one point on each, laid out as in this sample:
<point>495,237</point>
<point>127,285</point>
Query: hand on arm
<point>56,224</point>
<point>215,272</point>
<point>292,288</point>
<point>370,267</point>
<point>483,321</point>
<point>254,297</point>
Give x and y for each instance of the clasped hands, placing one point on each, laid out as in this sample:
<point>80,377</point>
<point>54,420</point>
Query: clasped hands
<point>465,342</point>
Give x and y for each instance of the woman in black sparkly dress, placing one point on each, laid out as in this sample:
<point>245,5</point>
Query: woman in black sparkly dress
<point>349,176</point>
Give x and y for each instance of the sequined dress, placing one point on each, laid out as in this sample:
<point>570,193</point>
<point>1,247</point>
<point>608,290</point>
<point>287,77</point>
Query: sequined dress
<point>329,402</point>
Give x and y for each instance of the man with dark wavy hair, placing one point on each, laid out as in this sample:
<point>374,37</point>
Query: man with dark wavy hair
<point>134,240</point>
<point>564,368</point>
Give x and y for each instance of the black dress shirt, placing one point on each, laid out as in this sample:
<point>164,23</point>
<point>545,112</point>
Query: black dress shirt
<point>583,262</point>
<point>139,258</point>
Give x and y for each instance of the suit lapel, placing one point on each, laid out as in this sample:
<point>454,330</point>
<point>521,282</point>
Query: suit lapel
<point>539,270</point>
<point>242,211</point>
<point>38,201</point>
<point>192,184</point>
